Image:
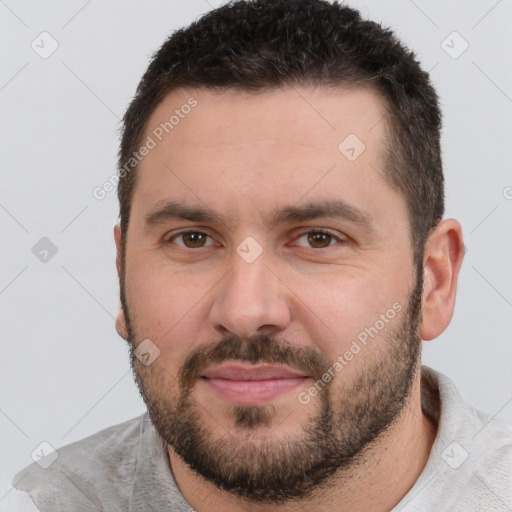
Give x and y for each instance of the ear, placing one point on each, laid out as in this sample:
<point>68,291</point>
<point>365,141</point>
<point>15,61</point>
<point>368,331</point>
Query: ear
<point>120,321</point>
<point>121,324</point>
<point>444,252</point>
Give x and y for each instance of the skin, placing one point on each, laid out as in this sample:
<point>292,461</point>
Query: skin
<point>244,155</point>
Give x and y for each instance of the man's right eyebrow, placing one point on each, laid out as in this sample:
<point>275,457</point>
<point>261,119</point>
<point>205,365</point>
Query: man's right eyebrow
<point>174,210</point>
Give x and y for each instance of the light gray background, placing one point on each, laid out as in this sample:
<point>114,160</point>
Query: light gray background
<point>64,371</point>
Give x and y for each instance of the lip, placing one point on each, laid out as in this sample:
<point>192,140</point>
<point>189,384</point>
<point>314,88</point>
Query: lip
<point>250,373</point>
<point>251,385</point>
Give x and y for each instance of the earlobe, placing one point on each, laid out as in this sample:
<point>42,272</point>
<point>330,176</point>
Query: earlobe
<point>444,252</point>
<point>121,324</point>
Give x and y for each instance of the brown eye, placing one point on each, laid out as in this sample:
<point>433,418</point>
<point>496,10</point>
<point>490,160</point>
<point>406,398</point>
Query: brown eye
<point>191,239</point>
<point>319,239</point>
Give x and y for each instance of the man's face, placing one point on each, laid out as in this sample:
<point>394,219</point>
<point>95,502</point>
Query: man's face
<point>250,308</point>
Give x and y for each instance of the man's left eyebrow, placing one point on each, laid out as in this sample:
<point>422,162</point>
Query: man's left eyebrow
<point>323,209</point>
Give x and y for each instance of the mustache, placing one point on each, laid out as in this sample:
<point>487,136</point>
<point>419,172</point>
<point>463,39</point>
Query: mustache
<point>259,349</point>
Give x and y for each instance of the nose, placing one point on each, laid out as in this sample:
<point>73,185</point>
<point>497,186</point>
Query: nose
<point>251,300</point>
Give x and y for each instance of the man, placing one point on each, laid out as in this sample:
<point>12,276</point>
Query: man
<point>281,255</point>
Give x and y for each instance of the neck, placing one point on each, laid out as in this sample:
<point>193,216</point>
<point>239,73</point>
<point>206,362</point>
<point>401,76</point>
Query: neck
<point>382,477</point>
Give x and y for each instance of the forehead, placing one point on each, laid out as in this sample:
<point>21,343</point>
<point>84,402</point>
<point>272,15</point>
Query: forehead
<point>318,116</point>
<point>271,144</point>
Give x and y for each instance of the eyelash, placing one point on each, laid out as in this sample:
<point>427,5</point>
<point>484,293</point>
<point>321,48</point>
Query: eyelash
<point>303,233</point>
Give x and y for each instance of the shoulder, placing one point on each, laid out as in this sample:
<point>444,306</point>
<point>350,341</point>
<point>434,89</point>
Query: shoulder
<point>480,458</point>
<point>484,436</point>
<point>471,461</point>
<point>101,464</point>
<point>489,441</point>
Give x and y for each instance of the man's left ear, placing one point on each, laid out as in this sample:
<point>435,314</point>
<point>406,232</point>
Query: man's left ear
<point>444,252</point>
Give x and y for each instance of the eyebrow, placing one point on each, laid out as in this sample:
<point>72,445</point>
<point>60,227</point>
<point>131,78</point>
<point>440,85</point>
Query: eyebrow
<point>319,209</point>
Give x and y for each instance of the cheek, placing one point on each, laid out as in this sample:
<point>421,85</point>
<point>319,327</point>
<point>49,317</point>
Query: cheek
<point>165,306</point>
<point>335,312</point>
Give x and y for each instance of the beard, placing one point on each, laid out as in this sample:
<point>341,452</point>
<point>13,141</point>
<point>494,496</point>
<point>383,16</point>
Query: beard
<point>251,460</point>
